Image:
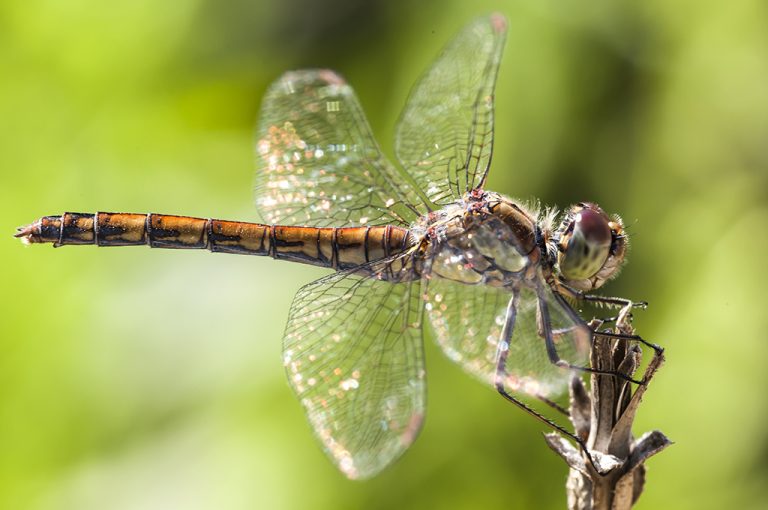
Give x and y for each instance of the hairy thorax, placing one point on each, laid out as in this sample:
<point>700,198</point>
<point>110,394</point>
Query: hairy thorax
<point>485,238</point>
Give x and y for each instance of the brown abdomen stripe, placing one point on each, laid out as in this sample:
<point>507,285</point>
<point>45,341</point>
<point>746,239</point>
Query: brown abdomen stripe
<point>339,248</point>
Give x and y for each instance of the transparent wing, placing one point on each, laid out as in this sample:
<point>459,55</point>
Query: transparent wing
<point>444,139</point>
<point>468,320</point>
<point>353,354</point>
<point>317,161</point>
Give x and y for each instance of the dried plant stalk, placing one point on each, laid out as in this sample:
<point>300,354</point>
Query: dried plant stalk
<point>603,418</point>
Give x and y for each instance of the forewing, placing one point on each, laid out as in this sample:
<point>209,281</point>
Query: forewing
<point>317,161</point>
<point>353,355</point>
<point>444,139</point>
<point>468,321</point>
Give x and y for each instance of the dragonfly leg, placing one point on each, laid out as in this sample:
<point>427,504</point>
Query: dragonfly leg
<point>608,301</point>
<point>623,318</point>
<point>546,332</point>
<point>551,403</point>
<point>612,301</point>
<point>502,352</point>
<point>601,321</point>
<point>659,350</point>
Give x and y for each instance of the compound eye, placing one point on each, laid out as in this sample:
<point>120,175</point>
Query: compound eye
<point>586,248</point>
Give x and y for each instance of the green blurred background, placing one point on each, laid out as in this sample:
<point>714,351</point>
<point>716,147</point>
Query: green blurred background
<point>139,379</point>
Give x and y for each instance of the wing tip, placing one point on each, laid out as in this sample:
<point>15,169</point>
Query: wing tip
<point>498,22</point>
<point>301,76</point>
<point>360,468</point>
<point>331,77</point>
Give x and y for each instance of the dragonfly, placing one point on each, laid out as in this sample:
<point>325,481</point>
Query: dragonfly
<point>418,243</point>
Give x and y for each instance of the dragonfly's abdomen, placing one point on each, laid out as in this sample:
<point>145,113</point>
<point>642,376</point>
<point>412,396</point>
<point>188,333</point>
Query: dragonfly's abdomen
<point>339,248</point>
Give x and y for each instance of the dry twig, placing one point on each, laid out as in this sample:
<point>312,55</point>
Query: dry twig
<point>603,418</point>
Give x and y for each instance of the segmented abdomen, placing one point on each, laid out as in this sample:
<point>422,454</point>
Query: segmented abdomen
<point>338,248</point>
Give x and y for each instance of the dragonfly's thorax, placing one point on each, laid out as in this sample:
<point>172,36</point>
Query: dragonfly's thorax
<point>484,238</point>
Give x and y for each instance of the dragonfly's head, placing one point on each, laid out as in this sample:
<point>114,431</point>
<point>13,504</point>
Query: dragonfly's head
<point>590,247</point>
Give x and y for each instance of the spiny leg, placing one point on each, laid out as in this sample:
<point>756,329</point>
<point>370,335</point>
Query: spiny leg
<point>607,301</point>
<point>658,350</point>
<point>502,352</point>
<point>623,331</point>
<point>611,301</point>
<point>623,323</point>
<point>551,403</point>
<point>546,332</point>
<point>622,319</point>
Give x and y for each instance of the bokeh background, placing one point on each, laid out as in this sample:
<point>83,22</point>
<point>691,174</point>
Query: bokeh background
<point>138,379</point>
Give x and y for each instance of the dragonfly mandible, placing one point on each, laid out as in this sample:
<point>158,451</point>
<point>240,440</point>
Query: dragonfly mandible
<point>490,274</point>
